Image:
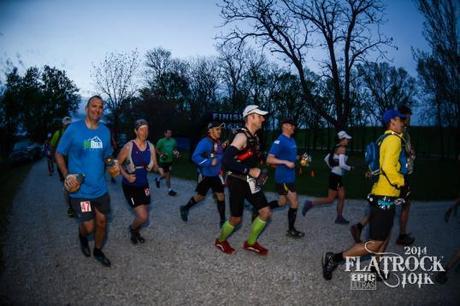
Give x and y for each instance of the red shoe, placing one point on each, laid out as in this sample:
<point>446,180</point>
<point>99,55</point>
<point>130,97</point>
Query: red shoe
<point>256,248</point>
<point>224,246</point>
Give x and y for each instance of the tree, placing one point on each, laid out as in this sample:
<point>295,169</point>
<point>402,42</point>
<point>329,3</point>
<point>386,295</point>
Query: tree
<point>291,28</point>
<point>387,86</point>
<point>115,77</point>
<point>32,102</point>
<point>439,70</point>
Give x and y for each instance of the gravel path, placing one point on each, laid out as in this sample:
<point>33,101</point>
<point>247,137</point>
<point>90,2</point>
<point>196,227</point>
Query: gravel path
<point>179,265</point>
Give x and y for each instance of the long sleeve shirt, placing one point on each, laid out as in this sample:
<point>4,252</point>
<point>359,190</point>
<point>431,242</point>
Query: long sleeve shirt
<point>204,153</point>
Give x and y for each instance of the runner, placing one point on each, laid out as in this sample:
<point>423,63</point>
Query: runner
<point>54,143</point>
<point>403,238</point>
<point>86,144</point>
<point>137,156</point>
<point>384,196</point>
<point>337,162</point>
<point>208,157</point>
<point>49,155</point>
<point>244,181</point>
<point>283,155</point>
<point>166,149</point>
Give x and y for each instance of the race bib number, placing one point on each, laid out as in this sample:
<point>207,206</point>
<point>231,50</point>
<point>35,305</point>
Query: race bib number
<point>147,191</point>
<point>253,185</point>
<point>85,206</point>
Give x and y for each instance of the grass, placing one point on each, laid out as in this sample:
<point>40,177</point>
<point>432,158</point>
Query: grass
<point>11,178</point>
<point>432,180</point>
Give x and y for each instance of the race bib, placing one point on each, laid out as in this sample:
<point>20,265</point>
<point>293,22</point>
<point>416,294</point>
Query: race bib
<point>85,206</point>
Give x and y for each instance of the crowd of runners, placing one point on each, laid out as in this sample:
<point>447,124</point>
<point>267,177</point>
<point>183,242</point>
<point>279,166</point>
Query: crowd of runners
<point>83,152</point>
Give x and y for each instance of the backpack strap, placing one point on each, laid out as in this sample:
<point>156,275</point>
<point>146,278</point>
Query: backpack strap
<point>152,151</point>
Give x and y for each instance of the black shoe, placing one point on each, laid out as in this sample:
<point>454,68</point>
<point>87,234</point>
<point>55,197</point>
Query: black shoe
<point>101,258</point>
<point>84,246</point>
<point>157,182</point>
<point>139,237</point>
<point>355,233</point>
<point>70,212</point>
<point>172,193</point>
<point>405,239</point>
<point>293,233</point>
<point>183,213</point>
<point>329,265</point>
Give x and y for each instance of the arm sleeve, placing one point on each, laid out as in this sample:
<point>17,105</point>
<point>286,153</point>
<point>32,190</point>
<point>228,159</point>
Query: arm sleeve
<point>391,149</point>
<point>342,163</point>
<point>198,157</point>
<point>231,164</point>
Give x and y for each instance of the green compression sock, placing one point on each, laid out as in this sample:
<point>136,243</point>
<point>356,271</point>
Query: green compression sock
<point>227,230</point>
<point>257,227</point>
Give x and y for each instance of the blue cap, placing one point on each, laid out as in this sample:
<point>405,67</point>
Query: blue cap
<point>391,114</point>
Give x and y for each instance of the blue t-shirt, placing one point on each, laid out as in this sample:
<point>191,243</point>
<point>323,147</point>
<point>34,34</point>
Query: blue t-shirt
<point>141,160</point>
<point>85,150</point>
<point>284,148</point>
<point>202,156</point>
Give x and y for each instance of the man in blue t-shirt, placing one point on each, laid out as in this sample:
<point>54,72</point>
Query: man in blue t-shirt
<point>283,155</point>
<point>86,144</point>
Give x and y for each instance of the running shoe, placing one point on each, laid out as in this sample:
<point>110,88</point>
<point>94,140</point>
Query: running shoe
<point>306,207</point>
<point>183,213</point>
<point>293,233</point>
<point>355,233</point>
<point>157,182</point>
<point>99,256</point>
<point>405,239</point>
<point>341,220</point>
<point>84,246</point>
<point>172,193</point>
<point>224,246</point>
<point>139,237</point>
<point>329,265</point>
<point>256,248</point>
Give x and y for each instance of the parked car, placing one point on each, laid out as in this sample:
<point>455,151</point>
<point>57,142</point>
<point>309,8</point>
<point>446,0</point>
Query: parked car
<point>26,150</point>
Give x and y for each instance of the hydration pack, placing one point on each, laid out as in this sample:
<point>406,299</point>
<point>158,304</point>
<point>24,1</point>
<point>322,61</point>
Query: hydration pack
<point>128,164</point>
<point>372,155</point>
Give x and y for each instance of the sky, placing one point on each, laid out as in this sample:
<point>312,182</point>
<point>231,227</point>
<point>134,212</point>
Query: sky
<point>74,35</point>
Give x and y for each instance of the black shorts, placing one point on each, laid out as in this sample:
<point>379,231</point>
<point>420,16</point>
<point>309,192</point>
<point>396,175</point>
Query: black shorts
<point>207,182</point>
<point>335,181</point>
<point>381,220</point>
<point>239,191</point>
<point>283,188</point>
<point>84,208</point>
<point>166,166</point>
<point>136,195</point>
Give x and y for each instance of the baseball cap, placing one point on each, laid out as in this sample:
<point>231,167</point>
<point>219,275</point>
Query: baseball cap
<point>66,120</point>
<point>139,123</point>
<point>214,124</point>
<point>391,114</point>
<point>253,109</point>
<point>288,120</point>
<point>343,134</point>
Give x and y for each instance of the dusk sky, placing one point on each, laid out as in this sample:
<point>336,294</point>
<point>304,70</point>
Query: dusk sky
<point>72,35</point>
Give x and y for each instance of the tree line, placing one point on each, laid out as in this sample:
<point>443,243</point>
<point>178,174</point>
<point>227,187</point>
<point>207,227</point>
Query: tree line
<point>264,57</point>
